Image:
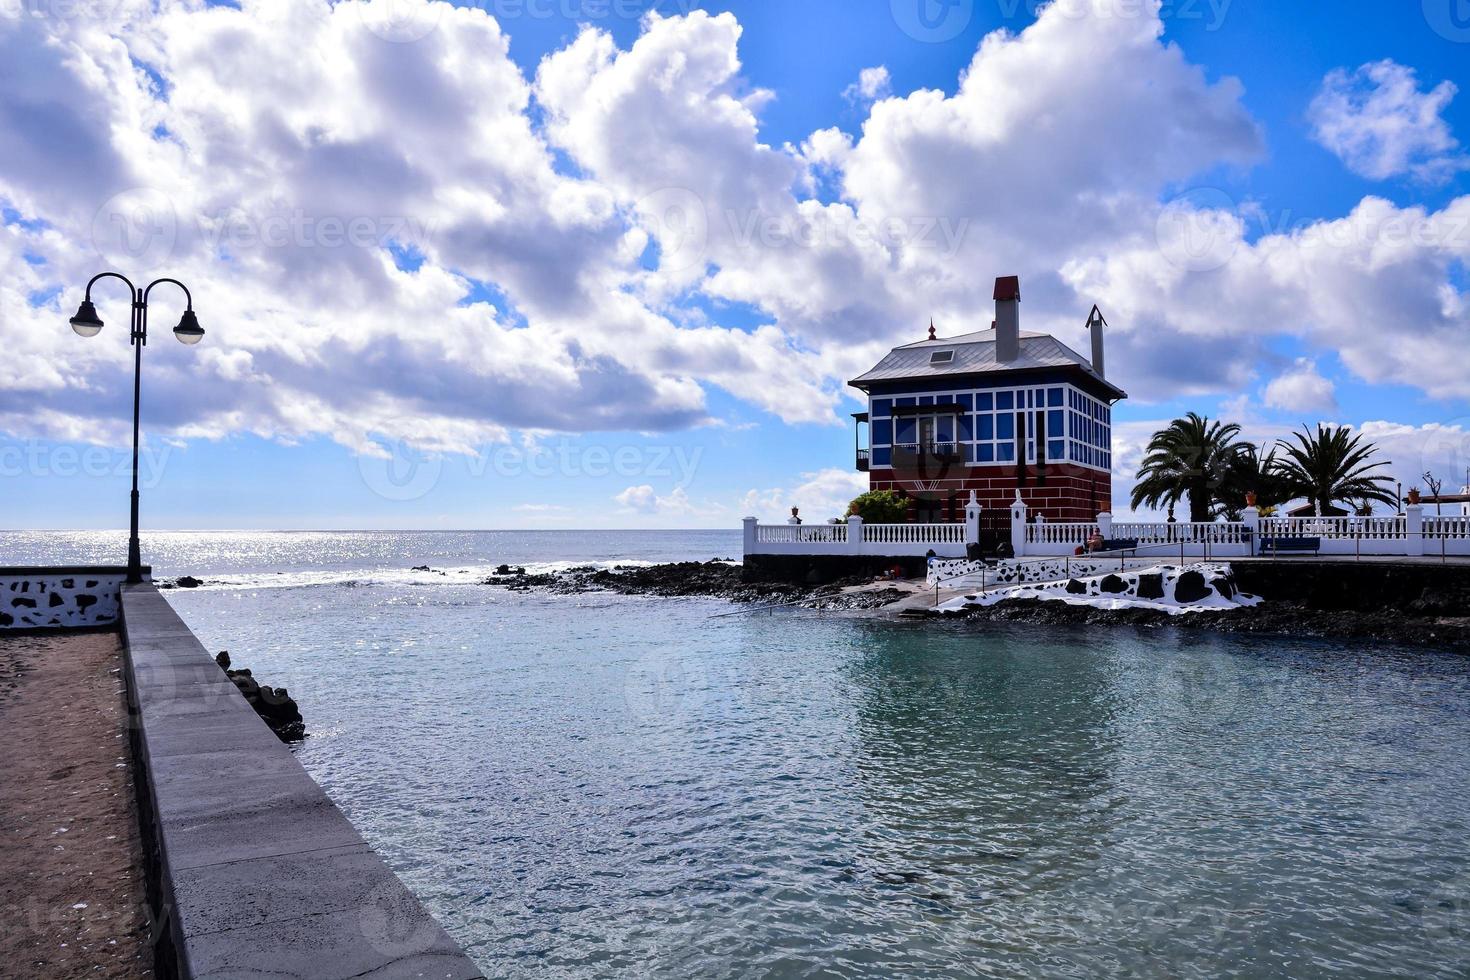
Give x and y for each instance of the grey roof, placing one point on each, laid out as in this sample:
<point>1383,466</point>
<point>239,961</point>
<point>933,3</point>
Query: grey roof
<point>974,353</point>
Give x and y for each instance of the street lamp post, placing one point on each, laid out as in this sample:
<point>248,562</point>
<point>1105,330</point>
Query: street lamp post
<point>87,324</point>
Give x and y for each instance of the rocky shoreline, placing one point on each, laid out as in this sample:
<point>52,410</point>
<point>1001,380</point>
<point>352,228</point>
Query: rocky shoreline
<point>1268,619</point>
<point>714,579</point>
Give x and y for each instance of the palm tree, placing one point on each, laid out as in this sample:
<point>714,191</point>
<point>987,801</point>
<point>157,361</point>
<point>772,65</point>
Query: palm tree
<point>1192,457</point>
<point>1253,470</point>
<point>1333,465</point>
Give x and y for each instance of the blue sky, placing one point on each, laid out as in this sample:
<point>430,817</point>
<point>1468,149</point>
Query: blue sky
<point>437,254</point>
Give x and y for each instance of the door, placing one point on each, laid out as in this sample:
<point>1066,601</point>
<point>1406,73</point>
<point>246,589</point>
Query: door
<point>926,434</point>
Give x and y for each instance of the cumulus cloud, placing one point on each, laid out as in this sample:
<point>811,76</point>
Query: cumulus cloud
<point>417,242</point>
<point>872,84</point>
<point>1302,389</point>
<point>821,495</point>
<point>1381,125</point>
<point>643,499</point>
<point>1376,286</point>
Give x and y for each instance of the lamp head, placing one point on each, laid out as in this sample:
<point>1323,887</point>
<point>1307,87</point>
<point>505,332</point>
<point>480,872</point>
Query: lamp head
<point>189,331</point>
<point>86,323</point>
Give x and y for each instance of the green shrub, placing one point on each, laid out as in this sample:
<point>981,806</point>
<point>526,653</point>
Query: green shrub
<point>880,507</point>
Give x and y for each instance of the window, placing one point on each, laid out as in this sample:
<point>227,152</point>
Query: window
<point>942,357</point>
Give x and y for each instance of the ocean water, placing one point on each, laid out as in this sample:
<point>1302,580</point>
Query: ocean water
<point>596,785</point>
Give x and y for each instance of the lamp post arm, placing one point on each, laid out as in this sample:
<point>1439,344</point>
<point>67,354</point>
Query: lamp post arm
<point>188,296</point>
<point>132,290</point>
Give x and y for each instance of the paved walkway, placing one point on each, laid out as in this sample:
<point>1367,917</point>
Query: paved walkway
<point>71,885</point>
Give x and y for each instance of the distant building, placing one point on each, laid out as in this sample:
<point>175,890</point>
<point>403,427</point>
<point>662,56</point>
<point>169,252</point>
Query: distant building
<point>995,411</point>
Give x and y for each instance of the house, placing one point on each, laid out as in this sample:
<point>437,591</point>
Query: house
<point>996,411</point>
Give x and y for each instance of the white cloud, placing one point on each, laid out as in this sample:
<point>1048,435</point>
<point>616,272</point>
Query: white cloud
<point>643,499</point>
<point>872,84</point>
<point>384,242</point>
<point>1302,389</point>
<point>1378,122</point>
<point>820,496</point>
<point>1375,286</point>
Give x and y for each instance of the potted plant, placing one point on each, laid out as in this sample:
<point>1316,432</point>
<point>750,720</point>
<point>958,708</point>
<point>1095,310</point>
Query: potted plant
<point>1414,497</point>
<point>1250,498</point>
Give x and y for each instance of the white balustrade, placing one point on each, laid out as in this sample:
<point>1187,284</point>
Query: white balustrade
<point>914,533</point>
<point>816,534</point>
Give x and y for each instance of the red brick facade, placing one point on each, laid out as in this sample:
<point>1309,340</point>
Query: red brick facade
<point>1064,492</point>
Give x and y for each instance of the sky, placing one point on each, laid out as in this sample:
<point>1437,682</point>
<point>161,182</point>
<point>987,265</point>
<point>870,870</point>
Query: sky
<point>610,263</point>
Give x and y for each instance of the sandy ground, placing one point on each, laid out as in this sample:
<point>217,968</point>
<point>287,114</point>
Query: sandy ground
<point>71,887</point>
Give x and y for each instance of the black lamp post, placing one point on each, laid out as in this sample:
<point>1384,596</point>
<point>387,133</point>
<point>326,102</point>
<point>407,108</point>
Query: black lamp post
<point>87,324</point>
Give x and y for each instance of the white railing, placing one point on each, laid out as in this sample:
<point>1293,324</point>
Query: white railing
<point>914,533</point>
<point>1413,534</point>
<point>1187,532</point>
<point>1455,528</point>
<point>1059,533</point>
<point>1336,528</point>
<point>831,534</point>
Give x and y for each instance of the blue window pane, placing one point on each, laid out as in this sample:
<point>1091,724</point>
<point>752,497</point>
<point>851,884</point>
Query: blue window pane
<point>882,407</point>
<point>904,431</point>
<point>927,400</point>
<point>882,457</point>
<point>1054,397</point>
<point>883,432</point>
<point>984,402</point>
<point>1006,452</point>
<point>967,428</point>
<point>903,403</point>
<point>1055,449</point>
<point>1005,399</point>
<point>985,427</point>
<point>1054,423</point>
<point>984,453</point>
<point>944,431</point>
<point>1006,426</point>
<point>966,402</point>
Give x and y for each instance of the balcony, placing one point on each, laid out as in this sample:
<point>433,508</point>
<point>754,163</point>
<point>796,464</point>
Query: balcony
<point>927,457</point>
<point>863,456</point>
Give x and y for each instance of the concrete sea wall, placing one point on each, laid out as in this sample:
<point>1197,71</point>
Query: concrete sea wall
<point>60,598</point>
<point>252,870</point>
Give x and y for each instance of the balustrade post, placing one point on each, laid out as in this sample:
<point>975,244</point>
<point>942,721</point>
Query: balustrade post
<point>855,535</point>
<point>1414,529</point>
<point>972,521</point>
<point>1018,526</point>
<point>749,534</point>
<point>1251,517</point>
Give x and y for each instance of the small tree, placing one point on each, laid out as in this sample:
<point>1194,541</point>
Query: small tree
<point>1435,485</point>
<point>879,507</point>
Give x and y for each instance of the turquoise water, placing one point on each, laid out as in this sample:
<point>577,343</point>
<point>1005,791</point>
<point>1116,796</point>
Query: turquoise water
<point>591,786</point>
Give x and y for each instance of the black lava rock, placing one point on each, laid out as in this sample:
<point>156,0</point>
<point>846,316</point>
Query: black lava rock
<point>1191,587</point>
<point>1113,585</point>
<point>1151,585</point>
<point>187,582</point>
<point>1075,587</point>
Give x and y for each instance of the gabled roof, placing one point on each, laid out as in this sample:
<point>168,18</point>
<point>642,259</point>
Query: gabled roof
<point>974,353</point>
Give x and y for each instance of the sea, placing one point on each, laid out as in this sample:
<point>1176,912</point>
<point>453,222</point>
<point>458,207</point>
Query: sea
<point>599,785</point>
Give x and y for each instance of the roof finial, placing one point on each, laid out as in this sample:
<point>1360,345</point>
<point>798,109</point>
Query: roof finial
<point>931,329</point>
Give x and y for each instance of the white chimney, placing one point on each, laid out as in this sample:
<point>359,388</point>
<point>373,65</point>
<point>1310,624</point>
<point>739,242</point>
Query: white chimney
<point>1007,318</point>
<point>1095,324</point>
